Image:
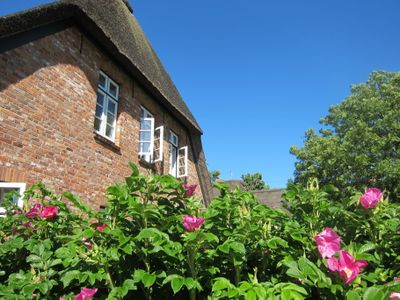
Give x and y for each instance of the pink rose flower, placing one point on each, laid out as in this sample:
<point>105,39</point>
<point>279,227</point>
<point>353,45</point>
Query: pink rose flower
<point>101,227</point>
<point>394,295</point>
<point>34,211</point>
<point>86,294</point>
<point>49,212</point>
<point>189,188</point>
<point>371,198</point>
<point>347,266</point>
<point>328,242</point>
<point>191,223</point>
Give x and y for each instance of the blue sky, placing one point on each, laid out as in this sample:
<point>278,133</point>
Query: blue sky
<point>257,74</point>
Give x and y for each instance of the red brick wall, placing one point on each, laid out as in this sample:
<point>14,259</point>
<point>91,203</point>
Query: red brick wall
<point>47,104</point>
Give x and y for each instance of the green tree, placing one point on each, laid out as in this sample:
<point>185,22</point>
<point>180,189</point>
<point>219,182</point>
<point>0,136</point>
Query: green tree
<point>359,145</point>
<point>253,182</point>
<point>214,175</point>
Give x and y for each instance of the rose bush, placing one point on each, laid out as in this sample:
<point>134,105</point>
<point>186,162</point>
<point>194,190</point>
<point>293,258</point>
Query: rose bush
<point>154,240</point>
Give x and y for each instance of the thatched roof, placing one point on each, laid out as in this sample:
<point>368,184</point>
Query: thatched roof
<point>112,24</point>
<point>271,197</point>
<point>116,30</point>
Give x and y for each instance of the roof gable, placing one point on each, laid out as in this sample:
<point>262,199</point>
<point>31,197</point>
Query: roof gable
<point>113,25</point>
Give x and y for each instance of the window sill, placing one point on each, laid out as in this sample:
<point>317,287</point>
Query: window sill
<point>106,142</point>
<point>146,164</point>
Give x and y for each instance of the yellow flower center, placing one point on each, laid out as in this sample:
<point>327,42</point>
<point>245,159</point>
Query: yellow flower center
<point>348,272</point>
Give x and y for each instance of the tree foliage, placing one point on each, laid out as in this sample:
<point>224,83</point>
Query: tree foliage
<point>214,175</point>
<point>253,182</point>
<point>359,145</point>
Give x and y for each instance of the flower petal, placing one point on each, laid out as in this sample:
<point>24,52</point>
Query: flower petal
<point>333,264</point>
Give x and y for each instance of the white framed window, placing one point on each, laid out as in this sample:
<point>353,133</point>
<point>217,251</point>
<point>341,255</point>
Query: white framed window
<point>6,187</point>
<point>173,143</point>
<point>182,162</point>
<point>106,107</point>
<point>146,135</point>
<point>151,146</point>
<point>158,144</point>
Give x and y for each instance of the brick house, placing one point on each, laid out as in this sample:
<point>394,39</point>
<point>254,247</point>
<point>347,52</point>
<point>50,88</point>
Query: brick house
<point>82,93</point>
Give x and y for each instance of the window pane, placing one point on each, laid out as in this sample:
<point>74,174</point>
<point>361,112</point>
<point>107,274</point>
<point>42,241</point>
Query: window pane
<point>145,136</point>
<point>6,190</point>
<point>97,124</point>
<point>99,111</point>
<point>144,147</point>
<point>102,81</point>
<point>172,160</point>
<point>173,139</point>
<point>110,118</point>
<point>109,131</point>
<point>145,114</point>
<point>111,106</point>
<point>113,90</point>
<point>100,99</point>
<point>145,125</point>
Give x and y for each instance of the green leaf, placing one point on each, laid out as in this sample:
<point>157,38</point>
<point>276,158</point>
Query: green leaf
<point>29,289</point>
<point>238,247</point>
<point>118,190</point>
<point>352,295</point>
<point>190,283</point>
<point>261,292</point>
<point>134,168</point>
<point>251,295</point>
<point>127,249</point>
<point>224,248</point>
<point>76,201</point>
<point>274,242</point>
<point>221,284</point>
<point>294,287</point>
<point>233,293</point>
<point>113,253</point>
<point>244,286</point>
<point>55,262</point>
<point>148,233</point>
<point>148,279</point>
<point>69,276</point>
<point>130,284</point>
<point>210,237</point>
<point>295,272</point>
<point>367,247</point>
<point>88,233</point>
<point>306,267</point>
<point>374,293</point>
<point>177,284</point>
<point>43,287</point>
<point>33,259</point>
<point>138,275</point>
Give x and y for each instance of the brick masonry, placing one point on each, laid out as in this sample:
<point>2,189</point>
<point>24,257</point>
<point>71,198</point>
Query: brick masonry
<point>47,105</point>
